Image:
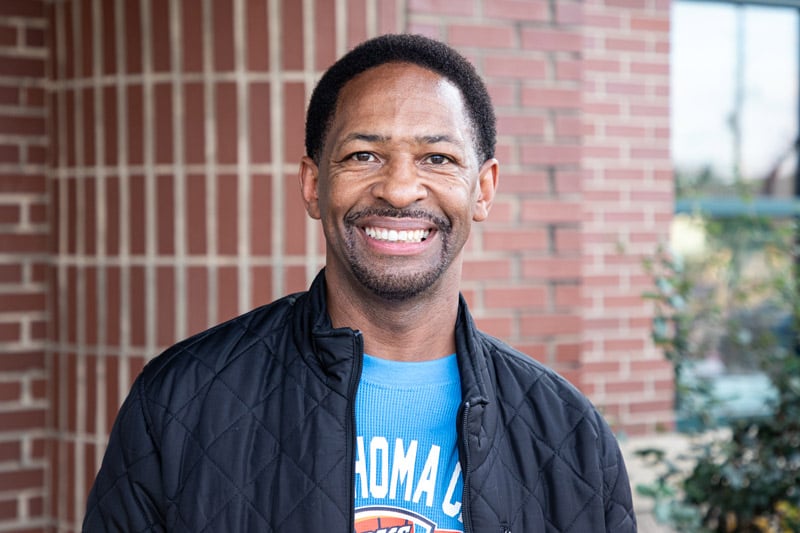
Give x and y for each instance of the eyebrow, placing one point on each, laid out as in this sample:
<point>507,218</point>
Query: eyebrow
<point>366,137</point>
<point>433,139</point>
<point>422,139</point>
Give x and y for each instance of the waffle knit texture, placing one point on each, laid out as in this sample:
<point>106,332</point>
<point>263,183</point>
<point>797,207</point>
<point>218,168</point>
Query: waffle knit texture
<point>406,449</point>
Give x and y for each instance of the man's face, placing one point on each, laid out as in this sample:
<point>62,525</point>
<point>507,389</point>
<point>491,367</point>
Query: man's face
<point>398,184</point>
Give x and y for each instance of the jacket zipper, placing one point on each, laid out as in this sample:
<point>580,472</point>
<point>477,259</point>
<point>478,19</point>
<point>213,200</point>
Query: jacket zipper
<point>465,468</point>
<point>355,377</point>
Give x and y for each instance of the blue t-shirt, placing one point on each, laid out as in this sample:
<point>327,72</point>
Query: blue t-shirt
<point>407,474</point>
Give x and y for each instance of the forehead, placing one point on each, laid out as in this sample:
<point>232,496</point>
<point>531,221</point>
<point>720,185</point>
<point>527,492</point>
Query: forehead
<point>395,90</point>
<point>399,83</point>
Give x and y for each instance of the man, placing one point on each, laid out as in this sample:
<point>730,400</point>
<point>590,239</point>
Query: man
<point>370,403</point>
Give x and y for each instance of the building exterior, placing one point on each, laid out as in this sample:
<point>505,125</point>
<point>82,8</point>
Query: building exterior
<point>148,157</point>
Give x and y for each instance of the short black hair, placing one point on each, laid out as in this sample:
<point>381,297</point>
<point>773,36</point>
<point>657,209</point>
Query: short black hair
<point>402,48</point>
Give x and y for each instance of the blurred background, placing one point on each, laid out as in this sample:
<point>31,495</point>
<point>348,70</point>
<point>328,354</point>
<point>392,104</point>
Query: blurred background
<point>148,159</point>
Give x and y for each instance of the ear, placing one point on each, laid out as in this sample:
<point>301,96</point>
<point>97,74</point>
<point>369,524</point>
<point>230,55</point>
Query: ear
<point>309,181</point>
<point>487,186</point>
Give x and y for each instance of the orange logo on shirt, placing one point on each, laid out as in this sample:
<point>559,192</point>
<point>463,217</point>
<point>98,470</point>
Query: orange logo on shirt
<point>393,520</point>
<point>384,525</point>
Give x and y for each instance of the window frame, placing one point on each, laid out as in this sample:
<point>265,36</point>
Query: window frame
<point>764,206</point>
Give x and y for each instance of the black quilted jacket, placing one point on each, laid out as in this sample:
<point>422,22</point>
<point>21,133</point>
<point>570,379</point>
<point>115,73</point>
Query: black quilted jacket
<point>249,427</point>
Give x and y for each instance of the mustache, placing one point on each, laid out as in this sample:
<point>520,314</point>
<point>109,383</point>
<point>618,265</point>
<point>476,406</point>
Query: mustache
<point>441,223</point>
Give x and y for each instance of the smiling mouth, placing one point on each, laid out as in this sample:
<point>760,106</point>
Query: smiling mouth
<point>393,235</point>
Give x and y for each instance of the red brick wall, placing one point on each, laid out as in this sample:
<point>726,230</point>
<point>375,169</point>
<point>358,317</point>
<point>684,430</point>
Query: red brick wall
<point>176,134</point>
<point>523,272</point>
<point>582,97</point>
<point>173,130</point>
<point>23,264</point>
<point>627,206</point>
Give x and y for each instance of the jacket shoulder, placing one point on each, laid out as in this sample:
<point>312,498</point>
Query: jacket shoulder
<point>552,405</point>
<point>236,347</point>
<point>531,375</point>
<point>548,416</point>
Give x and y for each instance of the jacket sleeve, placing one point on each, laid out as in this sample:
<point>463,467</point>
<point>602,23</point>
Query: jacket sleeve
<point>127,494</point>
<point>620,517</point>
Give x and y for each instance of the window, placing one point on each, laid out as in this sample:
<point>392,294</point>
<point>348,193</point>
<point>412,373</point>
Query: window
<point>735,135</point>
<point>734,98</point>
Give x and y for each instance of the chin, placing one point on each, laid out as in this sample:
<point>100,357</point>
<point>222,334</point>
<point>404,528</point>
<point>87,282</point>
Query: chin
<point>398,288</point>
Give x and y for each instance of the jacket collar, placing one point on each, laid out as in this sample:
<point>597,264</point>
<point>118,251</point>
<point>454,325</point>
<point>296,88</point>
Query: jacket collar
<point>336,350</point>
<point>479,411</point>
<point>472,357</point>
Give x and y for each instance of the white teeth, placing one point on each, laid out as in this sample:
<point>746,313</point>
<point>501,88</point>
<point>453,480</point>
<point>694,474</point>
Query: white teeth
<point>391,235</point>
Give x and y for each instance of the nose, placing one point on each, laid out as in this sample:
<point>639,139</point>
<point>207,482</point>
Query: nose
<point>400,184</point>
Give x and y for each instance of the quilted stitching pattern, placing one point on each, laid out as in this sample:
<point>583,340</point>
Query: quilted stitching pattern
<point>565,474</point>
<point>236,420</point>
<point>273,455</point>
<point>237,430</point>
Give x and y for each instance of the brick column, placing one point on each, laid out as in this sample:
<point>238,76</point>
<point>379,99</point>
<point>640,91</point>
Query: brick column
<point>177,130</point>
<point>582,97</point>
<point>23,259</point>
<point>523,270</point>
<point>627,206</point>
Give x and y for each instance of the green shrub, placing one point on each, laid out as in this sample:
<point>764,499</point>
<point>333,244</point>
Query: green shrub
<point>747,477</point>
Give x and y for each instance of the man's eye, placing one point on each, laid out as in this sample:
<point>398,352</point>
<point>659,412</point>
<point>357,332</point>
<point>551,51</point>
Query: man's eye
<point>363,157</point>
<point>438,159</point>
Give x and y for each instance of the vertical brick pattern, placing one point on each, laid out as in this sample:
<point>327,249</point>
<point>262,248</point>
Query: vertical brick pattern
<point>175,134</point>
<point>628,203</point>
<point>24,229</point>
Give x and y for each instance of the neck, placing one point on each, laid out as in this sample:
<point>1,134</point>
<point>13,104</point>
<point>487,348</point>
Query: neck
<point>417,329</point>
